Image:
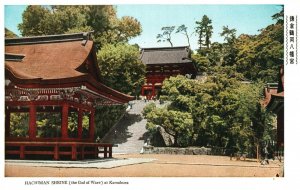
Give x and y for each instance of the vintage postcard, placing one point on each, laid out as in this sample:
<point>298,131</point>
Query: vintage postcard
<point>185,94</point>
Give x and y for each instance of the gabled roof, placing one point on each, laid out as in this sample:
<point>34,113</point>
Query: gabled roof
<point>166,55</point>
<point>47,57</point>
<point>56,60</point>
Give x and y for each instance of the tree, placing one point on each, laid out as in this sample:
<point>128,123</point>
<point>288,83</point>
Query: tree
<point>229,50</point>
<point>106,117</point>
<point>222,110</point>
<point>166,35</point>
<point>120,68</point>
<point>108,28</point>
<point>19,124</point>
<point>183,30</point>
<point>259,56</point>
<point>9,34</point>
<point>279,17</point>
<point>204,29</point>
<point>176,123</point>
<point>127,28</point>
<point>206,60</point>
<point>202,63</point>
<point>215,55</point>
<point>33,23</point>
<point>59,19</point>
<point>228,34</point>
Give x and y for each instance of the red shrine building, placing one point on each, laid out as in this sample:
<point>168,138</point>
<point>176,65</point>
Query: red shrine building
<point>161,63</point>
<point>274,102</point>
<point>57,75</point>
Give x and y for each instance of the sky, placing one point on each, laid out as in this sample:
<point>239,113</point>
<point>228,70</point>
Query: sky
<point>244,18</point>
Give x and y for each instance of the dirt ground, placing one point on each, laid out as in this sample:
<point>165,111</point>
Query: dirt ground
<point>163,166</point>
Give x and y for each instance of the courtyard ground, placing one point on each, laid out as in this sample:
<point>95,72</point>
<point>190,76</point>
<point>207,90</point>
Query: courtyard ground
<point>147,165</point>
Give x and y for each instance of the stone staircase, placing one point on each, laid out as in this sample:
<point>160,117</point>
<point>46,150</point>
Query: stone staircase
<point>129,134</point>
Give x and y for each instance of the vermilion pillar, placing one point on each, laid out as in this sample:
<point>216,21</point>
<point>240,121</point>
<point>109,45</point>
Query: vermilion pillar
<point>7,124</point>
<point>92,125</point>
<point>153,90</point>
<point>32,121</point>
<point>79,123</point>
<point>64,120</point>
<point>142,93</point>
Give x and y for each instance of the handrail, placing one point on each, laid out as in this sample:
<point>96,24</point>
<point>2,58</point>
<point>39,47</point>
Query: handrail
<point>74,149</point>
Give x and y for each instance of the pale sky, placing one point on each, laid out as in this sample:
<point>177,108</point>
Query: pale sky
<point>244,18</point>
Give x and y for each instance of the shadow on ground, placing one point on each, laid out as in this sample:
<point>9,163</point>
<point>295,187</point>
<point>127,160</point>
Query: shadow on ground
<point>120,132</point>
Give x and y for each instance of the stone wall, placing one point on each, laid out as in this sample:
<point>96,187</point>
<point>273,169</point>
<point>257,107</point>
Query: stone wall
<point>173,150</point>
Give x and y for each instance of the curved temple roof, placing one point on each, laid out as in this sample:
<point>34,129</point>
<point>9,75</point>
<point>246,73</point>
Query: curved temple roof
<point>56,60</point>
<point>165,55</point>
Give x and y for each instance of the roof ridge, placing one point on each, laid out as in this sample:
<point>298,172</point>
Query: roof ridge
<point>84,36</point>
<point>161,48</point>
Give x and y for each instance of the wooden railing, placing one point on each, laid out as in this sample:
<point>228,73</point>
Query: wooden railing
<point>58,150</point>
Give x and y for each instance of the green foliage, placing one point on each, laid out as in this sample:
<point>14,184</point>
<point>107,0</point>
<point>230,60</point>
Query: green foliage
<point>127,28</point>
<point>216,54</point>
<point>120,68</point>
<point>183,30</point>
<point>166,34</point>
<point>176,123</point>
<point>19,124</point>
<point>9,34</point>
<point>229,50</point>
<point>106,117</point>
<point>228,34</point>
<point>204,29</point>
<point>59,19</point>
<point>202,63</point>
<point>48,125</point>
<point>255,57</point>
<point>34,21</point>
<point>222,110</point>
<point>148,108</point>
<point>279,17</point>
<point>259,57</point>
<point>73,124</point>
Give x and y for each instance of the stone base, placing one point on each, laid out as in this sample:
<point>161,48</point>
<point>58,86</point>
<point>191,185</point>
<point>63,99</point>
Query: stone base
<point>173,150</point>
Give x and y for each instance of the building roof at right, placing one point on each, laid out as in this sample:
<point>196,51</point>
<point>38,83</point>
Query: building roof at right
<point>166,55</point>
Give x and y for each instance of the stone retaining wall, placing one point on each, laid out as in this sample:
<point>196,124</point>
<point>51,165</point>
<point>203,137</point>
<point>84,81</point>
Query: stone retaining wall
<point>173,150</point>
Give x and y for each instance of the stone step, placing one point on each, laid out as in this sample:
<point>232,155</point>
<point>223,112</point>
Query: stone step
<point>129,134</point>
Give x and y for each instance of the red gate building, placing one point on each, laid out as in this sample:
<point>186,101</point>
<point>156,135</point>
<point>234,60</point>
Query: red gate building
<point>274,102</point>
<point>59,75</point>
<point>161,63</point>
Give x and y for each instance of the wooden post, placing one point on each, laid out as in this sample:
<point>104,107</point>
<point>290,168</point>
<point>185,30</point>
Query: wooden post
<point>257,152</point>
<point>110,151</point>
<point>22,152</point>
<point>56,152</point>
<point>82,152</point>
<point>7,123</point>
<point>96,152</point>
<point>64,121</point>
<point>74,152</point>
<point>92,125</point>
<point>79,123</point>
<point>105,151</point>
<point>142,91</point>
<point>32,121</point>
<point>153,90</point>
